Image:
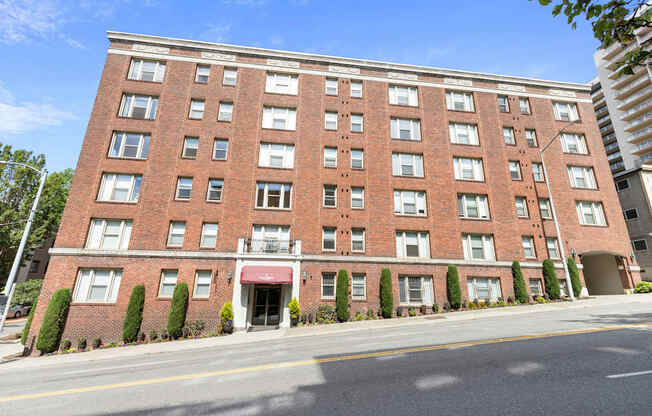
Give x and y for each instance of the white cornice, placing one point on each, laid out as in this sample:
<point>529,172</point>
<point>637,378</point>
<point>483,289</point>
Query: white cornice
<point>333,60</point>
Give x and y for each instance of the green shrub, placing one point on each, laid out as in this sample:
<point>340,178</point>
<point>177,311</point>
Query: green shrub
<point>575,277</point>
<point>226,313</point>
<point>54,321</point>
<point>295,310</point>
<point>66,344</point>
<point>550,278</point>
<point>358,316</point>
<point>641,287</point>
<point>178,308</point>
<point>435,308</point>
<point>412,312</point>
<point>520,293</point>
<point>81,343</point>
<point>134,316</point>
<point>97,343</point>
<point>386,293</point>
<point>342,296</point>
<point>453,288</point>
<point>28,324</point>
<point>370,313</point>
<point>326,313</point>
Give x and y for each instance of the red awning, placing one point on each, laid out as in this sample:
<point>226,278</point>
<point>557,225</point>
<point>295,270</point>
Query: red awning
<point>266,275</point>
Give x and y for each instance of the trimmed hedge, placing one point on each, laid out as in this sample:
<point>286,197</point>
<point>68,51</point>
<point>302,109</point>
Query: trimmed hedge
<point>54,321</point>
<point>178,308</point>
<point>520,292</point>
<point>342,296</point>
<point>134,316</point>
<point>386,293</point>
<point>550,278</point>
<point>23,337</point>
<point>453,287</point>
<point>575,277</point>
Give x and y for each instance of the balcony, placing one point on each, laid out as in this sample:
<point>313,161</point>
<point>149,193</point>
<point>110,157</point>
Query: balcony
<point>599,101</point>
<point>604,120</point>
<point>633,87</point>
<point>269,246</point>
<point>639,123</point>
<point>611,147</point>
<point>637,110</point>
<point>609,127</point>
<point>602,110</point>
<point>609,137</point>
<point>612,51</point>
<point>621,82</point>
<point>634,99</point>
<point>643,147</point>
<point>614,156</point>
<point>616,167</point>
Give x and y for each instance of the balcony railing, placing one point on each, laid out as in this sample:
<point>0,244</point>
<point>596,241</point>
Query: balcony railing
<point>606,128</point>
<point>613,156</point>
<point>632,124</point>
<point>603,119</point>
<point>640,134</point>
<point>601,111</point>
<point>617,166</point>
<point>636,108</point>
<point>611,146</point>
<point>633,97</point>
<point>268,246</point>
<point>608,137</point>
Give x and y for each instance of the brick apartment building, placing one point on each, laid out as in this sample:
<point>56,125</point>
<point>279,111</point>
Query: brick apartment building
<point>255,175</point>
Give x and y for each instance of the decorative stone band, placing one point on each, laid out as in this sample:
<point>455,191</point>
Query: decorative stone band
<point>218,56</point>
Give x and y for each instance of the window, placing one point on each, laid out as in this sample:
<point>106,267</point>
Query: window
<point>330,196</point>
<point>565,111</point>
<point>97,285</point>
<point>483,288</point>
<point>622,185</point>
<point>168,283</point>
<point>573,143</point>
<point>184,188</point>
<point>356,123</point>
<point>202,284</point>
<point>581,177</point>
<point>524,103</point>
<point>521,207</point>
<point>142,70</point>
<point>590,213</point>
<point>544,208</point>
<point>407,164</point>
<point>357,159</point>
<point>328,239</point>
<point>468,169</point>
<point>330,120</point>
<point>273,195</point>
<point>196,109</point>
<point>357,240</point>
<point>138,106</point>
<point>282,84</point>
<point>330,157</point>
<point>230,77</point>
<point>34,266</point>
<point>208,235</point>
<point>399,95</point>
<point>226,112</point>
<point>412,244</point>
<point>279,118</point>
<point>328,285</point>
<point>331,86</point>
<point>531,137</point>
<point>508,135</point>
<point>275,155</point>
<point>357,198</point>
<point>415,290</point>
<point>515,170</point>
<point>536,288</point>
<point>356,89</point>
<point>108,234</point>
<point>176,233</point>
<point>271,239</point>
<point>410,203</point>
<point>630,214</point>
<point>473,206</point>
<point>358,286</point>
<point>503,104</point>
<point>215,188</point>
<point>537,172</point>
<point>553,247</point>
<point>478,247</point>
<point>639,245</point>
<point>202,74</point>
<point>220,149</point>
<point>190,146</point>
<point>459,101</point>
<point>129,145</point>
<point>405,129</point>
<point>528,247</point>
<point>119,187</point>
<point>463,133</point>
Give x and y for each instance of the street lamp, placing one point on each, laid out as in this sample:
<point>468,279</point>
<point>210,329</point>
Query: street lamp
<point>569,284</point>
<point>23,240</point>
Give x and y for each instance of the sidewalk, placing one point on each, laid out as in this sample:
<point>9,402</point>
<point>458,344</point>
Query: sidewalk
<point>314,330</point>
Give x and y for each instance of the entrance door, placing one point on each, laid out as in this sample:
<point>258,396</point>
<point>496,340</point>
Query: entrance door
<point>267,306</point>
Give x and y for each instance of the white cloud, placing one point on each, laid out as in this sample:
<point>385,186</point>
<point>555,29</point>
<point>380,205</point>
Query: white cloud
<point>24,20</point>
<point>216,33</point>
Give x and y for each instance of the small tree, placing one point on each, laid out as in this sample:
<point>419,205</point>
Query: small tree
<point>134,316</point>
<point>575,277</point>
<point>23,338</point>
<point>453,287</point>
<point>550,278</point>
<point>520,293</point>
<point>342,296</point>
<point>178,307</point>
<point>386,293</point>
<point>54,321</point>
<point>226,313</point>
<point>295,309</point>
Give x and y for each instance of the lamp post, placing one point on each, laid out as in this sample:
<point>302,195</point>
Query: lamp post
<point>23,240</point>
<point>569,284</point>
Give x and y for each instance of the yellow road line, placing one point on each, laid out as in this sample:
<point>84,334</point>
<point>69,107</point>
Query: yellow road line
<point>288,364</point>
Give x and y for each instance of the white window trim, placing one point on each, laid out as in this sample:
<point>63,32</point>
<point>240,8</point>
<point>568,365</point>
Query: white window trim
<point>525,207</point>
<point>226,151</point>
<point>555,241</point>
<point>597,210</point>
<point>582,149</point>
<point>538,178</point>
<point>112,289</point>
<point>454,129</point>
<point>266,195</point>
<point>417,165</point>
<point>323,199</point>
<point>176,193</point>
<point>266,151</point>
<point>361,158</point>
<point>149,111</point>
<point>160,287</point>
<point>511,136</point>
<point>209,190</point>
<point>204,234</point>
<point>186,147</point>
<point>547,202</point>
<point>323,238</point>
<point>364,238</point>
<point>170,234</point>
<point>271,113</point>
<point>525,100</point>
<point>357,188</point>
<point>111,183</point>
<point>330,162</point>
<point>329,275</point>
<point>517,164</point>
<point>159,70</point>
<point>531,241</point>
<point>472,280</point>
<point>488,247</point>
<point>196,284</point>
<point>272,86</point>
<point>207,75</point>
<point>225,116</point>
<point>141,145</point>
<point>400,197</point>
<point>482,202</point>
<point>572,111</point>
<point>124,235</point>
<point>361,123</point>
<point>587,174</point>
<point>477,169</point>
<point>412,95</point>
<point>328,84</point>
<point>534,137</point>
<point>226,80</point>
<point>469,106</point>
<point>194,107</point>
<point>423,244</point>
<point>426,298</point>
<point>506,103</point>
<point>364,286</point>
<point>415,129</point>
<point>327,115</point>
<point>352,89</point>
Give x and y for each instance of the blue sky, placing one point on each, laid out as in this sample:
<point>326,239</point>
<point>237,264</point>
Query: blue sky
<point>52,51</point>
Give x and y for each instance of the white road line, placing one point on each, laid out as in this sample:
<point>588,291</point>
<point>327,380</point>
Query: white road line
<point>91,370</point>
<point>638,373</point>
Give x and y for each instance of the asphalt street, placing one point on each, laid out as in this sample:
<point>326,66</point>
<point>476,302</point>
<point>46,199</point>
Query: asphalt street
<point>539,364</point>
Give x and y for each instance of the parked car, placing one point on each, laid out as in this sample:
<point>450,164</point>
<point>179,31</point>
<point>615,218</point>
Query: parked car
<point>17,311</point>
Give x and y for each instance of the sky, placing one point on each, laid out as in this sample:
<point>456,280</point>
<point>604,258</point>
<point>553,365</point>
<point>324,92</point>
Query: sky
<point>52,51</point>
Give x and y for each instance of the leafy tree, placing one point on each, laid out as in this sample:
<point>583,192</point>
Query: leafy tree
<point>550,278</point>
<point>575,277</point>
<point>178,308</point>
<point>26,293</point>
<point>54,321</point>
<point>613,21</point>
<point>342,296</point>
<point>520,293</point>
<point>386,293</point>
<point>453,287</point>
<point>134,316</point>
